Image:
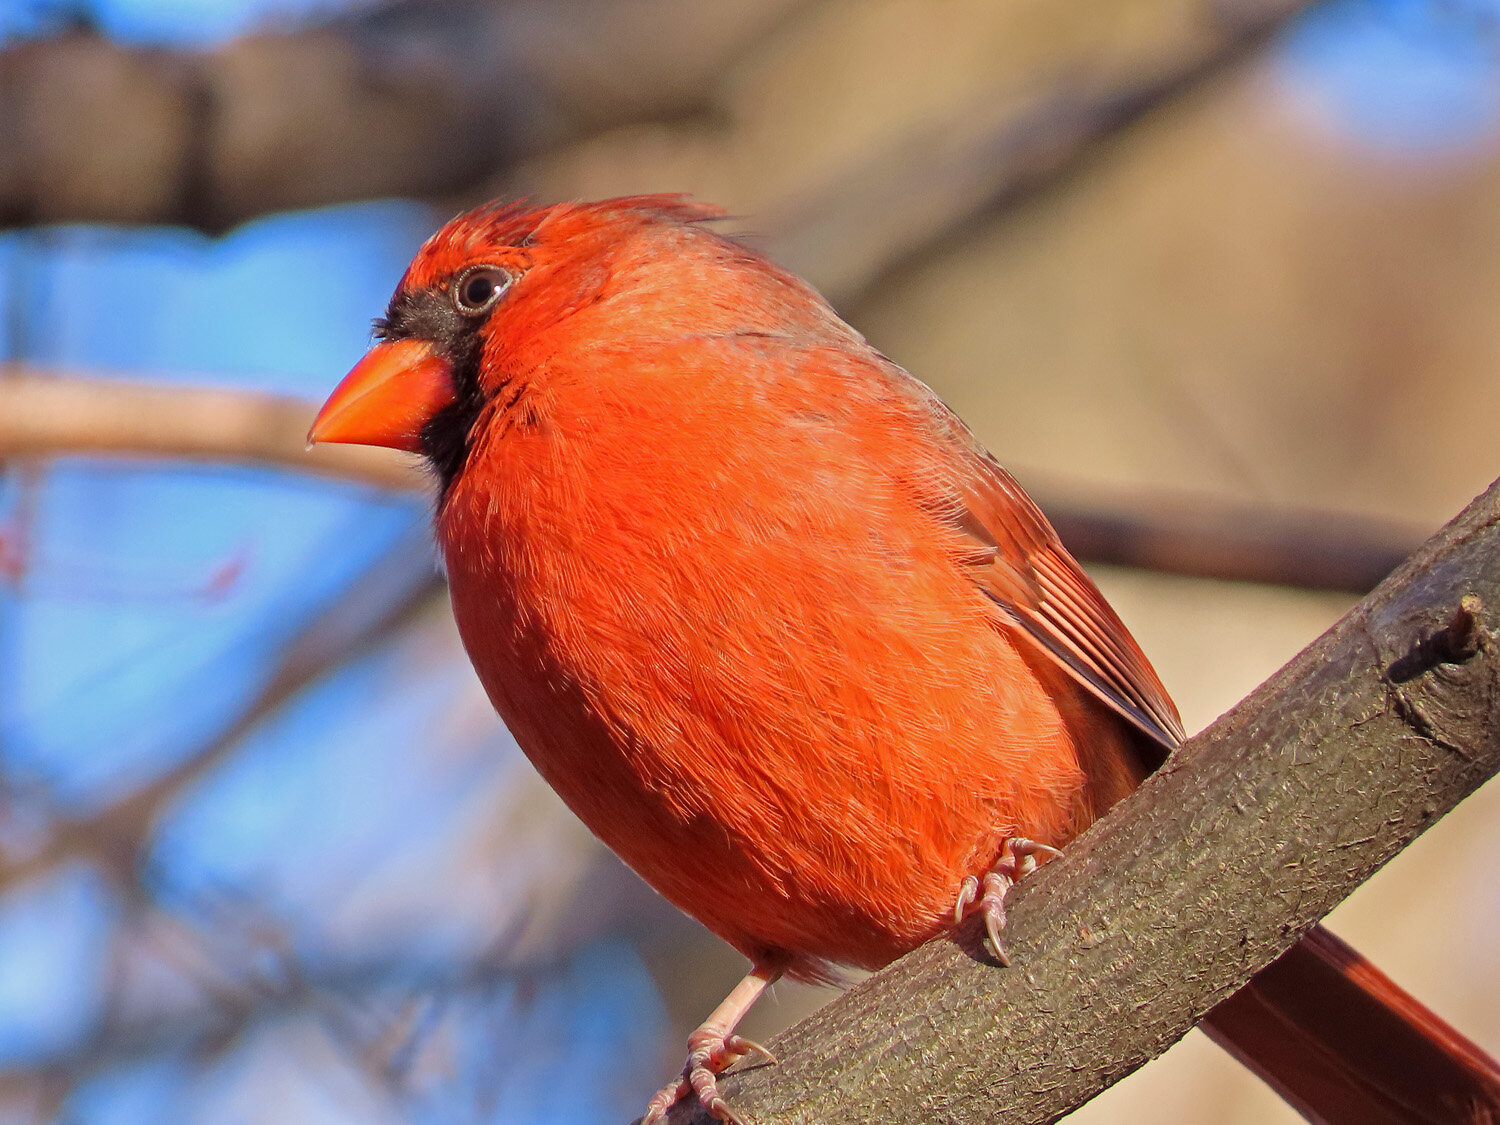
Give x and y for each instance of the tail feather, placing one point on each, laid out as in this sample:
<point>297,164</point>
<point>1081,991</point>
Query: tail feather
<point>1345,1045</point>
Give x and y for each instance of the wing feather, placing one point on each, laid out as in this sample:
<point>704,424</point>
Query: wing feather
<point>1042,589</point>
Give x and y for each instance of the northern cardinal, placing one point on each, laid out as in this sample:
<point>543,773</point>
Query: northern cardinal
<point>783,635</point>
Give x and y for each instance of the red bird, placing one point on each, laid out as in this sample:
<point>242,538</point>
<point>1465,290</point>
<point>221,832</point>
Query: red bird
<point>783,635</point>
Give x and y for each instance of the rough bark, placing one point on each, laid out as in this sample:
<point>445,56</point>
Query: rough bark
<point>1251,833</point>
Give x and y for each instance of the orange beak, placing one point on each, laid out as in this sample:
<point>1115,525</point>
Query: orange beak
<point>387,397</point>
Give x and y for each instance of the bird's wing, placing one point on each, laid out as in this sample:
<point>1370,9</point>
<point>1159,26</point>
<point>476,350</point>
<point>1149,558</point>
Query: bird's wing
<point>1022,566</point>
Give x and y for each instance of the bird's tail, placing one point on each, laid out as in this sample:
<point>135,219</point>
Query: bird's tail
<point>1341,1042</point>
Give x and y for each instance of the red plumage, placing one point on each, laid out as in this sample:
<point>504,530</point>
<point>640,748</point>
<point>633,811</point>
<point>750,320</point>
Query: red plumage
<point>754,602</point>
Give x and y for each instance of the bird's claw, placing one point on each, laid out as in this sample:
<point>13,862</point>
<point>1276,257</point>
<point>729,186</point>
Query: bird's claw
<point>709,1055</point>
<point>1019,857</point>
<point>968,891</point>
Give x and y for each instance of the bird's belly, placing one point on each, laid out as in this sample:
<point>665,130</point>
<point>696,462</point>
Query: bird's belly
<point>796,842</point>
<point>810,766</point>
<point>817,882</point>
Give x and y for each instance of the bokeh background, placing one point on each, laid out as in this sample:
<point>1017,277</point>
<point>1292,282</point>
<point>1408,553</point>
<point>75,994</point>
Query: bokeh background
<point>1210,273</point>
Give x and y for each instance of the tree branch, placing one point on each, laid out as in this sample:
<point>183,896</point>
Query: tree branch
<point>1198,537</point>
<point>53,413</point>
<point>47,414</point>
<point>1066,77</point>
<point>1250,833</point>
<point>414,98</point>
<point>438,98</point>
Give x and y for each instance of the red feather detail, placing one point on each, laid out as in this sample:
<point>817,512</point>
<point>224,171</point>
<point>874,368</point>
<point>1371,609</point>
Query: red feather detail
<point>780,632</point>
<point>1044,590</point>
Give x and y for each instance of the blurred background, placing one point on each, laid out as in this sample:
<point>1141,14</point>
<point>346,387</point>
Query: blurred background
<point>1217,280</point>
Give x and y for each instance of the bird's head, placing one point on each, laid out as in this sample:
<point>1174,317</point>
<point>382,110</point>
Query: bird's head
<point>496,292</point>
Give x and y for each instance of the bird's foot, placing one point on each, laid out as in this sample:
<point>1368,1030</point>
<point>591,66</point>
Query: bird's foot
<point>710,1053</point>
<point>1019,857</point>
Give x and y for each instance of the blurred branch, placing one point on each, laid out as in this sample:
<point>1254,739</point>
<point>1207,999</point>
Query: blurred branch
<point>1218,538</point>
<point>379,601</point>
<point>1219,863</point>
<point>440,98</point>
<point>49,415</point>
<point>352,1000</point>
<point>412,98</point>
<point>115,840</point>
<point>1066,77</point>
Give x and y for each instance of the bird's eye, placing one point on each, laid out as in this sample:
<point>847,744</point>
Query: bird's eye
<point>477,290</point>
